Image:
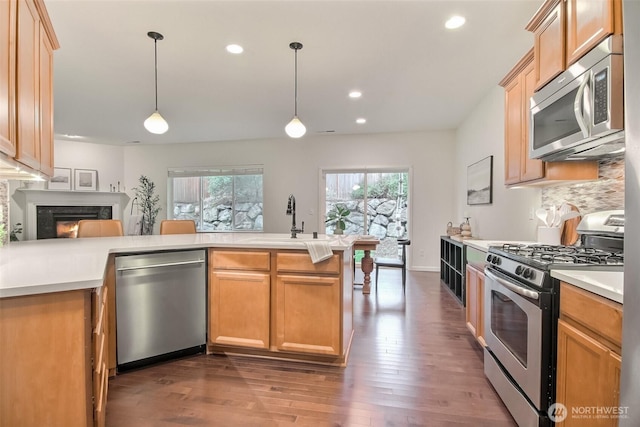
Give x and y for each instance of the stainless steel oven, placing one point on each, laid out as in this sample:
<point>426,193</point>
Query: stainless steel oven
<point>519,332</point>
<point>521,304</point>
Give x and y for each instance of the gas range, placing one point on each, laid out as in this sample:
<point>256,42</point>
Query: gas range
<point>530,263</point>
<point>601,248</point>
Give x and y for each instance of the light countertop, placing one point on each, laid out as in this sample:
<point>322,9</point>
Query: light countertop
<point>483,245</point>
<point>55,265</point>
<point>608,284</point>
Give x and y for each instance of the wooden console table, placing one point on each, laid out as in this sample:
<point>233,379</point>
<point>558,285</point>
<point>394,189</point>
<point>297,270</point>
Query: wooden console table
<point>366,245</point>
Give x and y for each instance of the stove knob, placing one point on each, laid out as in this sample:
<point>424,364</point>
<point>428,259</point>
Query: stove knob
<point>499,261</point>
<point>528,273</point>
<point>519,270</point>
<point>495,260</point>
<point>532,274</point>
<point>489,258</point>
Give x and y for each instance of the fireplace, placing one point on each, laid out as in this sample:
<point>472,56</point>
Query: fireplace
<point>62,221</point>
<point>86,204</point>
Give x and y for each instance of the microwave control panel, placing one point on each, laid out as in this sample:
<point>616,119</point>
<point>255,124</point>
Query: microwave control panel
<point>600,97</point>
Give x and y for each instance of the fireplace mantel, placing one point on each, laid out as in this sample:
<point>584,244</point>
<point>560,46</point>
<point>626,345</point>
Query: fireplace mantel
<point>28,199</point>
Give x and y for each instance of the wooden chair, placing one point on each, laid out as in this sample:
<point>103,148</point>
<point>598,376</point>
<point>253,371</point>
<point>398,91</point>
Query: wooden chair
<point>177,226</point>
<point>100,228</point>
<point>395,262</point>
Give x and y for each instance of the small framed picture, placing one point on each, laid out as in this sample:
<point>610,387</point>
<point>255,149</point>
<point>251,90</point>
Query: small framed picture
<point>480,182</point>
<point>61,179</point>
<point>85,180</point>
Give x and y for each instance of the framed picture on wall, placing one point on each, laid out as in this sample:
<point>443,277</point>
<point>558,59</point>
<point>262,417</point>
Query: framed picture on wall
<point>85,180</point>
<point>61,179</point>
<point>480,182</point>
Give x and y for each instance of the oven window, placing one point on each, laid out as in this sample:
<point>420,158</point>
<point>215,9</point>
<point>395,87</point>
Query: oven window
<point>509,325</point>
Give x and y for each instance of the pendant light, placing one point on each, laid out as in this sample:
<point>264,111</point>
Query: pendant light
<point>295,128</point>
<point>155,123</point>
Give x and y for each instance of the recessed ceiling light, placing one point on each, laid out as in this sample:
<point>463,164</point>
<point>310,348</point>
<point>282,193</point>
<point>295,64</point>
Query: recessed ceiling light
<point>361,121</point>
<point>72,136</point>
<point>454,22</point>
<point>355,94</point>
<point>235,48</point>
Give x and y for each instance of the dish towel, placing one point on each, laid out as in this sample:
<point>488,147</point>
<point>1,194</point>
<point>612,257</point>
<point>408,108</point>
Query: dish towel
<point>319,251</point>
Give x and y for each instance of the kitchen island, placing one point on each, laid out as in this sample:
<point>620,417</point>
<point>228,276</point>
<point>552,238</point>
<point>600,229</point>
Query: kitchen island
<point>57,322</point>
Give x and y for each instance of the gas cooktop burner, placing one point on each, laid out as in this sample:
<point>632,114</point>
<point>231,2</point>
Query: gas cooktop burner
<point>551,255</point>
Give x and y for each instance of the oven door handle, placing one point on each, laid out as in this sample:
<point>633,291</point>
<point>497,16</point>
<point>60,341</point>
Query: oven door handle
<point>515,288</point>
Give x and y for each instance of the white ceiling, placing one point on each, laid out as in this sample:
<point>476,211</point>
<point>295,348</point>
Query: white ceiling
<point>414,74</point>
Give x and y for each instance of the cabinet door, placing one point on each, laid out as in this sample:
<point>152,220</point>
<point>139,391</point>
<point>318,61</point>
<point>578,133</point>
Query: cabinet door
<point>530,168</point>
<point>7,77</point>
<point>513,131</point>
<point>585,374</point>
<point>472,300</point>
<point>46,104</point>
<point>588,23</point>
<point>28,135</point>
<point>549,46</point>
<point>308,314</point>
<point>475,303</point>
<point>239,308</point>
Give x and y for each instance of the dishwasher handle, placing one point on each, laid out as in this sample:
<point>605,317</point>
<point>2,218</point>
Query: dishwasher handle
<point>166,264</point>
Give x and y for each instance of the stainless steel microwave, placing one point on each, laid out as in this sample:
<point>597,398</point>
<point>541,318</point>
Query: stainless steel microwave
<point>580,114</point>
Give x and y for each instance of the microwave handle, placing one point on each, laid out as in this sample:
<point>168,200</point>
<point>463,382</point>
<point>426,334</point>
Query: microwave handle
<point>577,104</point>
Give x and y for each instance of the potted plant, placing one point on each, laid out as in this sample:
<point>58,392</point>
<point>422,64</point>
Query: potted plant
<point>337,217</point>
<point>148,202</point>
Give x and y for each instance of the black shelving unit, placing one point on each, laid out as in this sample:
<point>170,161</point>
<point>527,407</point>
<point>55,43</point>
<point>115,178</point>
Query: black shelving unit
<point>452,267</point>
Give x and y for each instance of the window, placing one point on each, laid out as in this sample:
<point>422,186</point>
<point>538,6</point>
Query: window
<point>377,201</point>
<point>217,199</point>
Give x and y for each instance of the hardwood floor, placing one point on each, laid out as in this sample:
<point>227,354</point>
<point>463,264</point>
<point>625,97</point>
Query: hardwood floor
<point>412,363</point>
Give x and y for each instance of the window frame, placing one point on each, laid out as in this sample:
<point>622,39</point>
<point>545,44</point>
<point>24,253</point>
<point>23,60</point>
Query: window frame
<point>210,171</point>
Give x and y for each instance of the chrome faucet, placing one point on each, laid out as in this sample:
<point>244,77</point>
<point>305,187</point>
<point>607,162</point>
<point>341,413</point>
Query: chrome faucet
<point>291,210</point>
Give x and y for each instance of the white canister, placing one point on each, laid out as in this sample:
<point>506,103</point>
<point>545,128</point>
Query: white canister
<point>549,235</point>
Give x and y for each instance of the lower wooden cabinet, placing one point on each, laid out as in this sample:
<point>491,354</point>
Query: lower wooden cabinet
<point>277,303</point>
<point>239,308</point>
<point>589,347</point>
<point>100,370</point>
<point>308,312</point>
<point>53,359</point>
<point>475,303</point>
<point>240,298</point>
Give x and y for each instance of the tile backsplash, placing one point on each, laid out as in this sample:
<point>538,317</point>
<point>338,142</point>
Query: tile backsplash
<point>604,194</point>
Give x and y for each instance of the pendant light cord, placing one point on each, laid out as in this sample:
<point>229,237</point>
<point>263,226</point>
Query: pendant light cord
<point>155,44</point>
<point>295,91</point>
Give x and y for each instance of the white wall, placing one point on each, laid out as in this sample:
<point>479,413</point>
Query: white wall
<point>108,160</point>
<point>292,167</point>
<point>482,135</point>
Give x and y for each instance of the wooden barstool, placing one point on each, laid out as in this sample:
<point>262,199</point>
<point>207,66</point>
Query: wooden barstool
<point>100,228</point>
<point>177,226</point>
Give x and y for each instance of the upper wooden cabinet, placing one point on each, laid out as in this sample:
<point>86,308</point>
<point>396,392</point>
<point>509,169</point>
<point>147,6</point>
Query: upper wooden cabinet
<point>564,30</point>
<point>519,168</point>
<point>7,77</point>
<point>26,83</point>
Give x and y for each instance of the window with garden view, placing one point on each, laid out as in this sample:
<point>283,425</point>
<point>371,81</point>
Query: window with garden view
<point>377,204</point>
<point>218,199</point>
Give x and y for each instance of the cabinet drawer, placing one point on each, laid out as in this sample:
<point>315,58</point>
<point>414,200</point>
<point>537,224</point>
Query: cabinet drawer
<point>240,260</point>
<point>301,263</point>
<point>594,312</point>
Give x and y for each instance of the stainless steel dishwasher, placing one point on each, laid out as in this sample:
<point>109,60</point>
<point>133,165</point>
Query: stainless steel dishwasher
<point>160,306</point>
